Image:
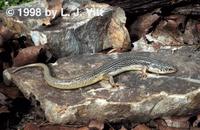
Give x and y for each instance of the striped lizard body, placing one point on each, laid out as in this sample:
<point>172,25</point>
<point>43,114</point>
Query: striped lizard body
<point>105,72</point>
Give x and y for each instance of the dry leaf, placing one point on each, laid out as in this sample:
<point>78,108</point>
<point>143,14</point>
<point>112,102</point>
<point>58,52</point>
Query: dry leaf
<point>96,124</point>
<point>197,121</point>
<point>141,127</point>
<point>10,92</point>
<point>177,122</point>
<point>4,109</point>
<point>27,56</point>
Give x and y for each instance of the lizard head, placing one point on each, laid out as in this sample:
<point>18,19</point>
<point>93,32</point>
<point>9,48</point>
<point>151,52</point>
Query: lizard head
<point>161,68</point>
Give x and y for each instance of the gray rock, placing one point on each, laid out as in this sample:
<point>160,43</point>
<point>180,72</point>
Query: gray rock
<point>72,35</point>
<point>136,100</point>
<point>79,28</point>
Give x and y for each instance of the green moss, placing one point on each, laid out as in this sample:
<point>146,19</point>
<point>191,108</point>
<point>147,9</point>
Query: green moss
<point>7,3</point>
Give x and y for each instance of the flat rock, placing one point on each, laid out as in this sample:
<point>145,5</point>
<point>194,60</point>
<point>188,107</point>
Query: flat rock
<point>135,100</point>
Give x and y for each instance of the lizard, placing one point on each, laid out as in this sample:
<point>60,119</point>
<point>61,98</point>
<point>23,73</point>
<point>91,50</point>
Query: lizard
<point>105,72</point>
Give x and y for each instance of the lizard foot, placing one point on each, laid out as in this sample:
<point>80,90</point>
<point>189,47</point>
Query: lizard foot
<point>110,79</point>
<point>143,74</point>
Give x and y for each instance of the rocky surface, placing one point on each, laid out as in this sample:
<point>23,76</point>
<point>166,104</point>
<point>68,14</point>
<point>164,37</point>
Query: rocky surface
<point>86,33</point>
<point>135,100</point>
<point>76,28</point>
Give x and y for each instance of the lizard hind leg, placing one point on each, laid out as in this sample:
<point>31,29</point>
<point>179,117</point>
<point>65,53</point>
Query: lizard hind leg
<point>110,79</point>
<point>143,74</point>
